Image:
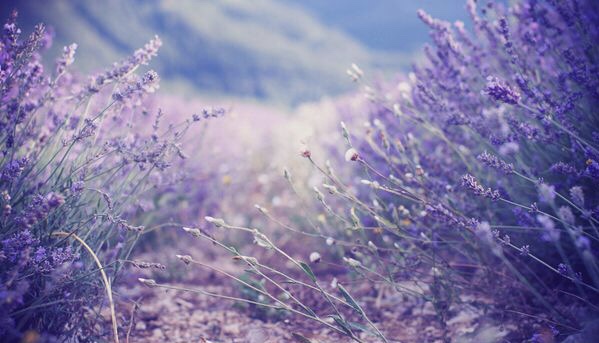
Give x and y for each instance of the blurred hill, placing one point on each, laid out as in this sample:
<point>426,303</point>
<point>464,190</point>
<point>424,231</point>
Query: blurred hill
<point>284,51</point>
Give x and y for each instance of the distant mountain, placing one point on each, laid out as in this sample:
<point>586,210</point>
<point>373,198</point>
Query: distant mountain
<point>286,51</point>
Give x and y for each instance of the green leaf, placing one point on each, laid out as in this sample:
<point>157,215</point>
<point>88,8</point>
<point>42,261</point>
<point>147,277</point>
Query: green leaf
<point>350,299</point>
<point>308,271</point>
<point>342,324</point>
<point>360,327</point>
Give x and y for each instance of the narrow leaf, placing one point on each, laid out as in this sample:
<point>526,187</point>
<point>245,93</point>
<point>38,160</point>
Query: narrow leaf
<point>360,327</point>
<point>308,271</point>
<point>350,299</point>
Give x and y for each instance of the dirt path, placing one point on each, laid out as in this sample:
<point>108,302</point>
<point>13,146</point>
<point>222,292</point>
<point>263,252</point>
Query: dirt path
<point>174,316</point>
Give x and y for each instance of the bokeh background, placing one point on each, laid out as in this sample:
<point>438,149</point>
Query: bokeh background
<point>281,52</point>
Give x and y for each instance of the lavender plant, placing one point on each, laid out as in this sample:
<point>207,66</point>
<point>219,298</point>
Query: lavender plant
<point>488,174</point>
<point>76,158</point>
<point>476,175</point>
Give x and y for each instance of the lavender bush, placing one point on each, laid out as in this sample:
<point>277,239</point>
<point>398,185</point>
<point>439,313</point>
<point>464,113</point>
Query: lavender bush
<point>76,158</point>
<point>496,173</point>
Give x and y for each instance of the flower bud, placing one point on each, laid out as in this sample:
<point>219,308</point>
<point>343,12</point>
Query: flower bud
<point>148,282</point>
<point>192,231</point>
<point>185,258</point>
<point>351,155</point>
<point>315,257</point>
<point>332,189</point>
<point>261,209</point>
<point>218,222</point>
<point>351,262</point>
<point>373,184</point>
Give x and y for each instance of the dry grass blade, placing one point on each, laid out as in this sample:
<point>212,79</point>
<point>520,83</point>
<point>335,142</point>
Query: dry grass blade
<point>104,279</point>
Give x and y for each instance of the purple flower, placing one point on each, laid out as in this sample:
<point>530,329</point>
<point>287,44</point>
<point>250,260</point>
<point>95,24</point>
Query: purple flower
<point>523,217</point>
<point>148,83</point>
<point>501,91</point>
<point>62,255</point>
<point>54,200</point>
<point>583,243</point>
<point>213,112</point>
<point>18,244</point>
<point>77,187</point>
<point>494,162</point>
<point>67,58</point>
<point>592,169</point>
<point>13,169</point>
<point>120,70</point>
<point>144,55</point>
<point>546,193</point>
<point>564,168</point>
<point>472,184</point>
<point>577,195</point>
<point>565,214</point>
<point>550,233</point>
<point>38,208</point>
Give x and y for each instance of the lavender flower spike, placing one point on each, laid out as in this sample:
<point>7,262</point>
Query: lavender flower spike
<point>67,58</point>
<point>472,184</point>
<point>494,162</point>
<point>501,91</point>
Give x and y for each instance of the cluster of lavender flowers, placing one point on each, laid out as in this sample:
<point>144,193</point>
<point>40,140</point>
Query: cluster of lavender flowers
<point>510,103</point>
<point>74,163</point>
